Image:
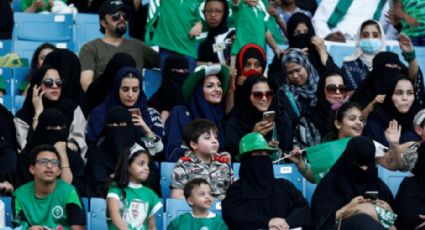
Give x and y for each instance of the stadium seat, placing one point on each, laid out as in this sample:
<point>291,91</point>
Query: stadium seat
<point>25,49</point>
<point>7,101</point>
<point>340,52</point>
<point>286,171</point>
<point>166,172</point>
<point>7,200</point>
<point>420,57</point>
<point>85,202</point>
<point>43,27</point>
<point>18,103</point>
<point>5,47</point>
<point>97,214</point>
<point>392,179</point>
<point>16,6</point>
<point>309,190</point>
<point>176,207</point>
<point>86,29</point>
<point>151,82</point>
<point>19,76</point>
<point>7,76</point>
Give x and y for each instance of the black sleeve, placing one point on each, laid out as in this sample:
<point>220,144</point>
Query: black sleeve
<point>408,205</point>
<point>76,215</point>
<point>300,212</point>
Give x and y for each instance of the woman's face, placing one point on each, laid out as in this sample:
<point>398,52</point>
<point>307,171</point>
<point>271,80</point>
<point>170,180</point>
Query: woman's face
<point>129,91</point>
<point>297,74</point>
<point>403,96</point>
<point>371,31</point>
<point>51,85</point>
<point>42,55</point>
<point>334,89</point>
<point>212,89</point>
<point>301,29</point>
<point>261,96</point>
<point>214,11</point>
<point>253,63</point>
<point>351,124</point>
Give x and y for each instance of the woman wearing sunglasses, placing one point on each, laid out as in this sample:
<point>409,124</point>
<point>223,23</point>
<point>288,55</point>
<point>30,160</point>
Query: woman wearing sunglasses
<point>45,92</point>
<point>247,116</point>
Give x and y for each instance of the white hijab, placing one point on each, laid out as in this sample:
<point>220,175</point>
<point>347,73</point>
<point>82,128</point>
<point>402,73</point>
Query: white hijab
<point>359,53</point>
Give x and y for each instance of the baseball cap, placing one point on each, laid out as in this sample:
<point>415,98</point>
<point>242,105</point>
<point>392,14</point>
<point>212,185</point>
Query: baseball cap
<point>112,6</point>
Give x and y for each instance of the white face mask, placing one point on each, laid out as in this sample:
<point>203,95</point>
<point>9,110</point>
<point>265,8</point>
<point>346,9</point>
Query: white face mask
<point>371,45</point>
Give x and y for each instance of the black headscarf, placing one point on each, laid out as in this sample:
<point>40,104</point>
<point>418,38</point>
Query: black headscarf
<point>66,106</point>
<point>69,68</point>
<point>256,177</point>
<point>45,135</point>
<point>222,27</point>
<point>301,40</point>
<point>170,92</point>
<point>247,52</point>
<point>101,86</point>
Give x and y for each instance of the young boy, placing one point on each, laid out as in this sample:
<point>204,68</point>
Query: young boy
<point>413,21</point>
<point>198,195</point>
<point>203,161</point>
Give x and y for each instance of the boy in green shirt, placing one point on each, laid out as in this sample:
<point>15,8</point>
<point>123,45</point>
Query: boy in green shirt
<point>198,195</point>
<point>48,202</point>
<point>412,13</point>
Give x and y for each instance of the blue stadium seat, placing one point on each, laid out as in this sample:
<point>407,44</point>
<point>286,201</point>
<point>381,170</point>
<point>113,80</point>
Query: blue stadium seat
<point>19,76</point>
<point>7,75</point>
<point>43,27</point>
<point>18,103</point>
<point>25,49</point>
<point>5,47</point>
<point>392,179</point>
<point>16,6</point>
<point>86,29</point>
<point>7,101</point>
<point>176,207</point>
<point>420,57</point>
<point>166,172</point>
<point>152,81</point>
<point>340,52</point>
<point>286,171</point>
<point>97,214</point>
<point>7,200</point>
<point>309,190</point>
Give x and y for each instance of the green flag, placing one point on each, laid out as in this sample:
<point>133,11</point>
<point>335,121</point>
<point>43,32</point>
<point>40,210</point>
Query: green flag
<point>323,156</point>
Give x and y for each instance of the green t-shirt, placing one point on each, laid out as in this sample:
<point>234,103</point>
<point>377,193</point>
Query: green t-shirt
<point>188,222</point>
<point>61,208</point>
<point>176,19</point>
<point>25,4</point>
<point>138,206</point>
<point>251,25</point>
<point>416,9</point>
<point>275,31</point>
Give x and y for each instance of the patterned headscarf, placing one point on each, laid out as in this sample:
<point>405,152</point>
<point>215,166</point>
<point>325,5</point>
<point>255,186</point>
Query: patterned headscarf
<point>308,90</point>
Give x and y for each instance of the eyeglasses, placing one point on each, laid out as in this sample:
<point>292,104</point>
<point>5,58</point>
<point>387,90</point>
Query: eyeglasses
<point>331,89</point>
<point>212,11</point>
<point>49,83</point>
<point>45,162</point>
<point>116,16</point>
<point>258,95</point>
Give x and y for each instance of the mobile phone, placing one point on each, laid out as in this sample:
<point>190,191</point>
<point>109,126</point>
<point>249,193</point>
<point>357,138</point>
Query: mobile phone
<point>372,195</point>
<point>269,116</point>
<point>135,111</point>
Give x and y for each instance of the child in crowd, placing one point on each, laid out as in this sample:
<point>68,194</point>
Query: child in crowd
<point>250,18</point>
<point>203,161</point>
<point>198,195</point>
<point>412,18</point>
<point>131,205</point>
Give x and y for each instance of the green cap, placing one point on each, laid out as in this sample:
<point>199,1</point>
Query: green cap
<point>253,142</point>
<point>189,85</point>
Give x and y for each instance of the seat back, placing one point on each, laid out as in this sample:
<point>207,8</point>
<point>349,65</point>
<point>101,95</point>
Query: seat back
<point>25,49</point>
<point>86,29</point>
<point>97,214</point>
<point>5,47</point>
<point>7,200</point>
<point>166,172</point>
<point>152,81</point>
<point>340,52</point>
<point>392,179</point>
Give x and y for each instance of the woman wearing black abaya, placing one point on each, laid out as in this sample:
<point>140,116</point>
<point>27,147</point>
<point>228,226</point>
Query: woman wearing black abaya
<point>8,146</point>
<point>102,159</point>
<point>410,199</point>
<point>52,130</point>
<point>101,86</point>
<point>45,92</point>
<point>68,65</point>
<point>340,193</point>
<point>257,200</point>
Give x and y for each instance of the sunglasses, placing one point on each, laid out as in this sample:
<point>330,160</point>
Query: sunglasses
<point>49,83</point>
<point>116,16</point>
<point>258,95</point>
<point>331,89</point>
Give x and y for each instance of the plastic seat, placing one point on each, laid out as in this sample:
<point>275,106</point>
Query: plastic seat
<point>392,179</point>
<point>97,214</point>
<point>19,102</point>
<point>309,190</point>
<point>166,172</point>
<point>7,76</point>
<point>86,29</point>
<point>25,49</point>
<point>5,47</point>
<point>152,81</point>
<point>7,200</point>
<point>43,27</point>
<point>176,207</point>
<point>19,76</point>
<point>340,52</point>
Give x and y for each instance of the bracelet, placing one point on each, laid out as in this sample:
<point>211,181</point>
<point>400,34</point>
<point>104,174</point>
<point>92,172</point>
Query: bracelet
<point>409,56</point>
<point>65,166</point>
<point>306,166</point>
<point>35,118</point>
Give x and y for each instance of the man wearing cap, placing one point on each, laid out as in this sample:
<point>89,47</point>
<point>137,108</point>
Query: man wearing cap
<point>113,16</point>
<point>258,200</point>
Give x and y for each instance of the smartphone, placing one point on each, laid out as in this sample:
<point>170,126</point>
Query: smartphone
<point>135,111</point>
<point>269,116</point>
<point>372,195</point>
